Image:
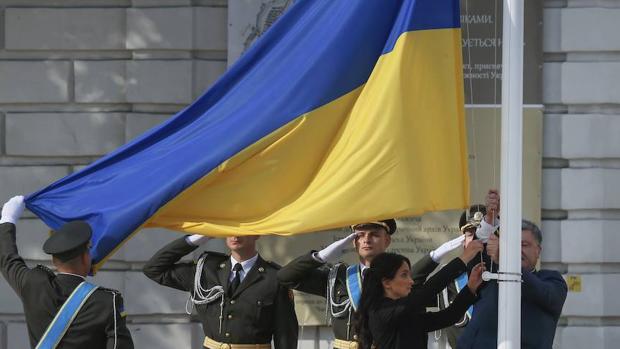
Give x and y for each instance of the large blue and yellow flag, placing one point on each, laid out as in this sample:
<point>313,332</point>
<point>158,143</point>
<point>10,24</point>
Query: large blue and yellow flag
<point>344,111</point>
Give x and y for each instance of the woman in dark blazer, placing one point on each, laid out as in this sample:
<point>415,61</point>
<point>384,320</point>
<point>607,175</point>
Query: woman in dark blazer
<point>390,317</point>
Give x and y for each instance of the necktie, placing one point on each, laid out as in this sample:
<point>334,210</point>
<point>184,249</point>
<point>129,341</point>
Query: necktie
<point>236,280</point>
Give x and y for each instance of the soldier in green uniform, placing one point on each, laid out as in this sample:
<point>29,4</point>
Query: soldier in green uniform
<point>99,323</point>
<point>237,297</point>
<point>340,284</point>
<point>474,226</point>
<point>469,222</point>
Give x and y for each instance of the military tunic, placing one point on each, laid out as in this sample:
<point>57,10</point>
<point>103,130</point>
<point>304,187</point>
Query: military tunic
<point>43,293</point>
<point>447,296</point>
<point>258,311</point>
<point>306,274</point>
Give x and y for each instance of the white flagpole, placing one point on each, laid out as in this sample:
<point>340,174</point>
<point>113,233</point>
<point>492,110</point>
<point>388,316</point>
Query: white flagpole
<point>509,305</point>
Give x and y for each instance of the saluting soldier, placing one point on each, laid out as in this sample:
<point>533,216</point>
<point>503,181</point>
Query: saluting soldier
<point>340,284</point>
<point>237,297</point>
<point>62,309</point>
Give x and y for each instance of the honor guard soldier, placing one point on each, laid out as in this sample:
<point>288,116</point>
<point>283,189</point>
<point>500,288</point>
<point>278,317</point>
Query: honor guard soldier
<point>340,284</point>
<point>62,309</point>
<point>237,297</point>
<point>469,223</point>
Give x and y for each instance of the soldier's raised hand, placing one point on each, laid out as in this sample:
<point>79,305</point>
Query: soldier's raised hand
<point>334,250</point>
<point>447,247</point>
<point>197,239</point>
<point>12,209</point>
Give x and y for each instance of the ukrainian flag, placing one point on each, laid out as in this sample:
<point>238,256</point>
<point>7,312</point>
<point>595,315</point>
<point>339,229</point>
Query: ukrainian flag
<point>344,111</point>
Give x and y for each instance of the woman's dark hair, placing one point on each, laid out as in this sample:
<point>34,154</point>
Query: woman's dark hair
<point>383,266</point>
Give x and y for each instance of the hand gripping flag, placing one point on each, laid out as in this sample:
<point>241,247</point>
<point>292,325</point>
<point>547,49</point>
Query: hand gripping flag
<point>344,111</point>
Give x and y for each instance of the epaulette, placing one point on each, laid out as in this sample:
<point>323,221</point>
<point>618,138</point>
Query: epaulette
<point>45,269</point>
<point>115,302</point>
<point>340,267</point>
<point>337,264</point>
<point>212,256</point>
<point>109,290</point>
<point>273,264</point>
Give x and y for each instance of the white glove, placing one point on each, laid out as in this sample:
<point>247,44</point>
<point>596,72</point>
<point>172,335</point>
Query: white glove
<point>334,250</point>
<point>197,239</point>
<point>485,230</point>
<point>12,210</point>
<point>446,247</point>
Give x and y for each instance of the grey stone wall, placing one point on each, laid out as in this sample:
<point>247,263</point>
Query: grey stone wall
<point>80,78</point>
<point>77,80</point>
<point>581,160</point>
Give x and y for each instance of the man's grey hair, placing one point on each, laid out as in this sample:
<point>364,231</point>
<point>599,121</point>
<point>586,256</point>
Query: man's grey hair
<point>527,225</point>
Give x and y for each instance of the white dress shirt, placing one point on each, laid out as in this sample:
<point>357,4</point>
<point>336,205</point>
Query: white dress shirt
<point>246,265</point>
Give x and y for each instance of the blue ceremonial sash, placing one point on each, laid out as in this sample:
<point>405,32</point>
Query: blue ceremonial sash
<point>354,285</point>
<point>461,282</point>
<point>63,319</point>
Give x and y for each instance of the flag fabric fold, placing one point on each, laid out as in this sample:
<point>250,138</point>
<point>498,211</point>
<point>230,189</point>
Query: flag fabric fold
<point>343,111</point>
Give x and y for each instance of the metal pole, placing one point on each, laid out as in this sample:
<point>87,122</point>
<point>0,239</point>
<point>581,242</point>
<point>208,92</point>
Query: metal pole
<point>509,304</point>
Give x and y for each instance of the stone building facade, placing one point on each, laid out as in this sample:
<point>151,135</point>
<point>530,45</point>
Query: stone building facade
<point>80,78</point>
<point>581,166</point>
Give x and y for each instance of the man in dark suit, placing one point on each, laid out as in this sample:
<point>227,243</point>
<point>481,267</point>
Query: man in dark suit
<point>339,284</point>
<point>237,297</point>
<point>99,323</point>
<point>543,294</point>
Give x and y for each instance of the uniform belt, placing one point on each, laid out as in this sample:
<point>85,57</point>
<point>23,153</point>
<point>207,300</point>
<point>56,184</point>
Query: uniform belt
<point>342,344</point>
<point>213,344</point>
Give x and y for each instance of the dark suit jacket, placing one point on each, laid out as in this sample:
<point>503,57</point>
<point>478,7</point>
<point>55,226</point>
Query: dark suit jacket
<point>400,324</point>
<point>542,298</point>
<point>259,310</point>
<point>43,293</point>
<point>308,275</point>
